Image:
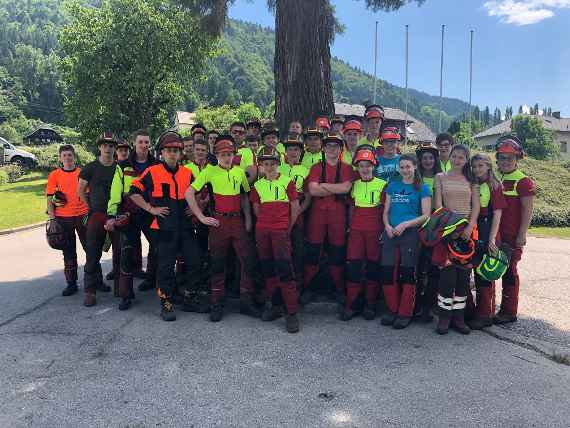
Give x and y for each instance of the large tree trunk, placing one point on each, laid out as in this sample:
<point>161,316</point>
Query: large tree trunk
<point>304,31</point>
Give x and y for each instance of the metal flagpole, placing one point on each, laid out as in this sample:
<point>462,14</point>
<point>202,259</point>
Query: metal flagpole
<point>470,73</point>
<point>441,78</point>
<point>375,61</point>
<point>407,63</point>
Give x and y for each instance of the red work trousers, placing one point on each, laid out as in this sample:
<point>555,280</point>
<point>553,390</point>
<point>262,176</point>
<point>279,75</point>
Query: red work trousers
<point>330,225</point>
<point>230,234</point>
<point>274,249</point>
<point>362,266</point>
<point>511,280</point>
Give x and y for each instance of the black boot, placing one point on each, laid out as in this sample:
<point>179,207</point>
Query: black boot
<point>401,323</point>
<point>307,296</point>
<point>292,323</point>
<point>190,302</point>
<point>345,314</point>
<point>110,276</point>
<point>248,307</point>
<point>167,310</point>
<point>458,321</point>
<point>147,284</point>
<point>125,304</point>
<point>70,290</point>
<point>216,312</point>
<point>480,323</point>
<point>369,312</point>
<point>101,286</point>
<point>388,318</point>
<point>270,312</point>
<point>443,322</point>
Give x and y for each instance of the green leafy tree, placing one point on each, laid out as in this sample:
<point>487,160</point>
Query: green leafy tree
<point>538,141</point>
<point>129,62</point>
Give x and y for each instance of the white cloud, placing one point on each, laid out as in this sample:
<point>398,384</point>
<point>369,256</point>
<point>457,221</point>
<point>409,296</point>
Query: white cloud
<point>524,12</point>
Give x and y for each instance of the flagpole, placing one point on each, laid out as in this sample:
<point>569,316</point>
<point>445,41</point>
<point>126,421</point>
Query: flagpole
<point>441,78</point>
<point>407,92</point>
<point>375,61</point>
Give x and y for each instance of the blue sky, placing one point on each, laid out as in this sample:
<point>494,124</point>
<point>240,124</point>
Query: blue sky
<point>521,49</point>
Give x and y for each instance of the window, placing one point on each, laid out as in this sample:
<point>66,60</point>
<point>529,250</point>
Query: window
<point>563,147</point>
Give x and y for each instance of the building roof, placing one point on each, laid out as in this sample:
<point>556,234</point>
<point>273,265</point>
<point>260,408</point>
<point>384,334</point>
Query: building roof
<point>550,122</point>
<point>416,129</point>
<point>42,128</point>
<point>185,118</point>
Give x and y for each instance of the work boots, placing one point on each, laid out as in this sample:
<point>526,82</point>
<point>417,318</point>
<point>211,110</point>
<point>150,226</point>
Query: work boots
<point>248,307</point>
<point>458,321</point>
<point>167,310</point>
<point>90,299</point>
<point>388,318</point>
<point>70,290</point>
<point>292,323</point>
<point>190,302</point>
<point>369,312</point>
<point>270,312</point>
<point>216,312</point>
<point>443,322</point>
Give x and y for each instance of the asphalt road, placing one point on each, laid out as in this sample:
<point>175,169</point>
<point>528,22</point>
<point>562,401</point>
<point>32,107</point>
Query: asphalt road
<point>64,365</point>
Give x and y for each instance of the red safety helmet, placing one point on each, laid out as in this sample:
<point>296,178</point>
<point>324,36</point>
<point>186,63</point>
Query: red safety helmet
<point>224,144</point>
<point>322,122</point>
<point>364,153</point>
<point>352,125</point>
<point>374,111</point>
<point>510,144</point>
<point>391,133</point>
<point>170,139</point>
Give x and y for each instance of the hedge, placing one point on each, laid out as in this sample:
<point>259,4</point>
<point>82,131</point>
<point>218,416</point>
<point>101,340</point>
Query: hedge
<point>48,156</point>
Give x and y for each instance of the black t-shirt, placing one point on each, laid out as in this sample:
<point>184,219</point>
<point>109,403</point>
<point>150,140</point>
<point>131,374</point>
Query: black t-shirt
<point>99,178</point>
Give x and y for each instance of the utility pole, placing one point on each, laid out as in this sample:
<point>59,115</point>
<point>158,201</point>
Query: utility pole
<point>407,92</point>
<point>375,61</point>
<point>441,78</point>
<point>470,74</point>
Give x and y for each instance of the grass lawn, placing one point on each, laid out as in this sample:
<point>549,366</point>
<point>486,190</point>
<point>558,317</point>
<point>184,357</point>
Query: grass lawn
<point>23,202</point>
<point>550,232</point>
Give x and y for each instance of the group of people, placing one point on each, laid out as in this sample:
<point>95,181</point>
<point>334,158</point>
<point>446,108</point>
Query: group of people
<point>337,197</point>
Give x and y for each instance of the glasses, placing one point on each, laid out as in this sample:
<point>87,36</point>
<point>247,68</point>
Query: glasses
<point>506,158</point>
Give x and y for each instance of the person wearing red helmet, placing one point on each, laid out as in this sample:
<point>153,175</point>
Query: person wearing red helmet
<point>329,182</point>
<point>228,228</point>
<point>387,156</point>
<point>407,206</point>
<point>166,184</point>
<point>322,123</point>
<point>519,191</point>
<point>65,207</point>
<point>276,205</point>
<point>94,189</point>
<point>365,219</point>
<point>374,119</point>
<point>352,131</point>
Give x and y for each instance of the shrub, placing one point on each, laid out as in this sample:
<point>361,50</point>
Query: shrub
<point>48,156</point>
<point>10,173</point>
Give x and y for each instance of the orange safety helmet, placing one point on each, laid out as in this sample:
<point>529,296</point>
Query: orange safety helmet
<point>461,251</point>
<point>364,153</point>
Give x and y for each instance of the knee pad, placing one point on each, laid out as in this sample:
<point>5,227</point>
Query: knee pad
<point>372,271</point>
<point>337,255</point>
<point>267,268</point>
<point>284,270</point>
<point>217,265</point>
<point>387,275</point>
<point>312,253</point>
<point>407,275</point>
<point>354,270</point>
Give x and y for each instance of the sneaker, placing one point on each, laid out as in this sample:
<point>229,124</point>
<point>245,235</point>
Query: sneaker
<point>103,287</point>
<point>125,304</point>
<point>292,323</point>
<point>388,318</point>
<point>502,318</point>
<point>167,310</point>
<point>110,276</point>
<point>369,312</point>
<point>216,312</point>
<point>70,290</point>
<point>89,300</point>
<point>401,323</point>
<point>146,285</point>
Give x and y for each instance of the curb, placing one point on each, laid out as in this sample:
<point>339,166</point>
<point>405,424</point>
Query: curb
<point>22,228</point>
<point>549,350</point>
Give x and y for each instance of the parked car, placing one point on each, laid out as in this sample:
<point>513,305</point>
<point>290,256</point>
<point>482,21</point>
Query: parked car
<point>11,154</point>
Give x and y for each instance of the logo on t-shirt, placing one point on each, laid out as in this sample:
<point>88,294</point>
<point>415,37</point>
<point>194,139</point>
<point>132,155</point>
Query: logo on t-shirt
<point>401,196</point>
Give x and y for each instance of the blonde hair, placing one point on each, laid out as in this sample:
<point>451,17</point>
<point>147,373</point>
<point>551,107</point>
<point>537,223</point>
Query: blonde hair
<point>492,179</point>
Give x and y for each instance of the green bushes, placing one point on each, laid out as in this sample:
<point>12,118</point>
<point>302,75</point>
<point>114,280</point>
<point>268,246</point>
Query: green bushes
<point>10,173</point>
<point>48,156</point>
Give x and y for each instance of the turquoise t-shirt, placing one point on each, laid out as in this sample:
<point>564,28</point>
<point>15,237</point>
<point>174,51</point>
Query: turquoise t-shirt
<point>405,201</point>
<point>387,169</point>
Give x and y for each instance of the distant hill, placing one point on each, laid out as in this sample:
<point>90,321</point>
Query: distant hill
<point>244,73</point>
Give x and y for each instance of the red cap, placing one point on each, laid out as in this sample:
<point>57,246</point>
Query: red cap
<point>364,155</point>
<point>352,125</point>
<point>390,134</point>
<point>223,145</point>
<point>322,122</point>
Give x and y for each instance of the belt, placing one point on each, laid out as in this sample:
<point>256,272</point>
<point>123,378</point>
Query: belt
<point>233,214</point>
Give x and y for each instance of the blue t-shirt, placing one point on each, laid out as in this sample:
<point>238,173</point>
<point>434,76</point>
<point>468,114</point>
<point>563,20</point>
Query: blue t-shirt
<point>405,201</point>
<point>387,169</point>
